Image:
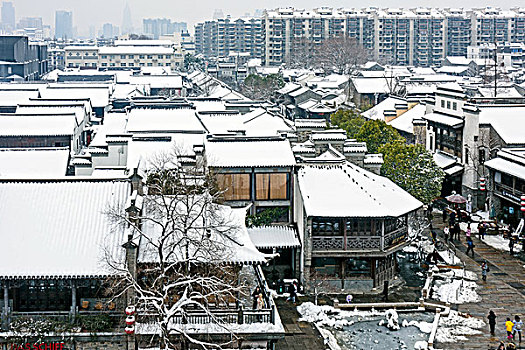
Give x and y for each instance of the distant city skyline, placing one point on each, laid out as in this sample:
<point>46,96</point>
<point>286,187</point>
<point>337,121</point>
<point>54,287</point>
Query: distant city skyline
<point>98,12</point>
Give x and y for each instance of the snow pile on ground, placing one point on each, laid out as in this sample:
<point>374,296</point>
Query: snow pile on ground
<point>500,243</point>
<point>329,316</point>
<point>424,327</point>
<point>456,286</point>
<point>449,257</point>
<point>421,345</point>
<point>392,320</point>
<point>455,327</point>
<point>410,249</point>
<point>329,339</point>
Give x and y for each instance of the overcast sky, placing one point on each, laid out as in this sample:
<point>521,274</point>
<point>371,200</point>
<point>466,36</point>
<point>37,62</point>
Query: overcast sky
<point>97,12</point>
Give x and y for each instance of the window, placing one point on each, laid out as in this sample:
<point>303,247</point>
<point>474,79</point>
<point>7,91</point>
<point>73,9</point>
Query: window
<point>150,64</point>
<point>141,57</point>
<point>104,57</point>
<point>150,57</point>
<point>442,103</point>
<point>235,186</point>
<point>271,186</point>
<point>104,64</point>
<point>481,156</point>
<point>122,56</point>
<point>131,64</point>
<point>160,56</point>
<point>160,64</point>
<point>168,57</point>
<point>454,106</point>
<point>112,64</point>
<point>168,64</point>
<point>326,227</point>
<point>123,64</point>
<point>448,104</point>
<point>131,56</point>
<point>141,64</point>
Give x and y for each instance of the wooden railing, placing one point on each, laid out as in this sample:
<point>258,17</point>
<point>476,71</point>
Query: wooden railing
<point>336,243</point>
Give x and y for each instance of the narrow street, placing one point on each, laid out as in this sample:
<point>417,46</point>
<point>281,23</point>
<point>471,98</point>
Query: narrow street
<point>504,291</point>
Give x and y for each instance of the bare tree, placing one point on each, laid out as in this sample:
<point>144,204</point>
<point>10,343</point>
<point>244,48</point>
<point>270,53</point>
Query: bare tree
<point>342,55</point>
<point>186,241</point>
<point>302,54</point>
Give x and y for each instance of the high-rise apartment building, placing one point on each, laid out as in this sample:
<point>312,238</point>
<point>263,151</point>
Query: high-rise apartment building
<point>419,36</point>
<point>30,22</point>
<point>219,38</point>
<point>157,27</point>
<point>8,16</point>
<point>63,24</point>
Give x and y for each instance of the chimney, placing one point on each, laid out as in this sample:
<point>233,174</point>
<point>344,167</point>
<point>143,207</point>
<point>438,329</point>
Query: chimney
<point>401,108</point>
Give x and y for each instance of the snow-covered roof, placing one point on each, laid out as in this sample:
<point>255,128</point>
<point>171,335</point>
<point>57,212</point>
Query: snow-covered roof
<point>15,97</point>
<point>377,111</point>
<point>79,111</point>
<point>404,121</point>
<point>310,123</point>
<point>371,85</point>
<point>99,96</point>
<point>37,125</point>
<point>328,135</point>
<point>245,152</point>
<point>164,120</point>
<point>346,190</point>
<point>18,163</point>
<point>509,161</point>
<point>443,119</point>
<point>135,50</point>
<point>289,87</point>
<point>228,241</point>
<point>264,237</point>
<point>58,229</point>
<point>504,120</point>
<point>443,160</point>
<point>158,81</point>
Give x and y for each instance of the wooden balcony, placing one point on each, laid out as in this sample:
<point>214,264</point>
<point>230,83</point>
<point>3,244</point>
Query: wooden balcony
<point>359,243</point>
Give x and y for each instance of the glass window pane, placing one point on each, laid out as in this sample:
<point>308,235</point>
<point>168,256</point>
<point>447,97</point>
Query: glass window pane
<point>278,186</point>
<point>262,182</point>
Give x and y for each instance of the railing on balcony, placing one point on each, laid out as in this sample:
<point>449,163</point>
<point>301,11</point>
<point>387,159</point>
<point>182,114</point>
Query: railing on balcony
<point>335,243</point>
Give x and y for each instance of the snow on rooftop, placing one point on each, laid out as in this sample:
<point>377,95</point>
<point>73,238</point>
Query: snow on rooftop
<point>377,111</point>
<point>37,125</point>
<point>15,97</point>
<point>346,190</point>
<point>58,228</point>
<point>404,121</point>
<point>167,120</point>
<point>80,112</point>
<point>18,163</point>
<point>99,96</point>
<point>237,248</point>
<point>371,85</point>
<point>249,153</point>
<point>504,121</point>
<point>136,50</point>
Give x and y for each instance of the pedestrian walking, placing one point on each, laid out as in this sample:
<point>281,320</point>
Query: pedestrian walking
<point>470,246</point>
<point>469,231</point>
<point>492,322</point>
<point>457,230</point>
<point>509,325</point>
<point>484,270</point>
<point>444,215</point>
<point>260,302</point>
<point>293,292</point>
<point>511,245</point>
<point>501,346</point>
<point>452,218</point>
<point>433,234</point>
<point>446,233</point>
<point>518,326</point>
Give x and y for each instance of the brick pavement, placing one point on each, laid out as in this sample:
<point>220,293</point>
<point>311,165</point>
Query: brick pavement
<point>299,335</point>
<point>504,292</point>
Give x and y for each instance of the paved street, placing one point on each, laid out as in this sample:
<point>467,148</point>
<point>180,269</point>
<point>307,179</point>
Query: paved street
<point>504,291</point>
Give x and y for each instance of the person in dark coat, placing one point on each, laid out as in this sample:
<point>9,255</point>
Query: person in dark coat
<point>457,230</point>
<point>445,215</point>
<point>470,246</point>
<point>255,295</point>
<point>452,219</point>
<point>492,321</point>
<point>511,245</point>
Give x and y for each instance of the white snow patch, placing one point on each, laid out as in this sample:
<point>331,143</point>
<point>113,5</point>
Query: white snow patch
<point>421,345</point>
<point>500,243</point>
<point>455,327</point>
<point>329,316</point>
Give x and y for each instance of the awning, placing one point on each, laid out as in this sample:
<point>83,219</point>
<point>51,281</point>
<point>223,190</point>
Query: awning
<point>456,169</point>
<point>443,119</point>
<point>265,237</point>
<point>507,167</point>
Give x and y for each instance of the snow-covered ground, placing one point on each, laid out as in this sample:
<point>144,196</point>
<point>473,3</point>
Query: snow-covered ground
<point>500,243</point>
<point>455,327</point>
<point>455,287</point>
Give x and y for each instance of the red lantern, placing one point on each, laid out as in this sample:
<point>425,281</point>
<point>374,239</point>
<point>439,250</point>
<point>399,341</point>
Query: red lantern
<point>130,310</point>
<point>129,329</point>
<point>130,320</point>
<point>522,204</point>
<point>482,185</point>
